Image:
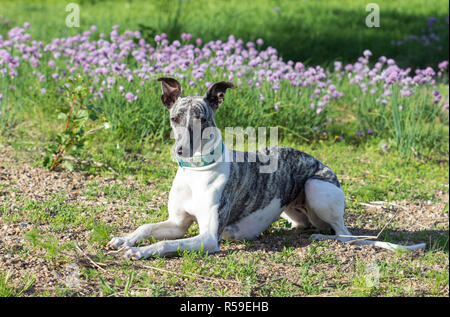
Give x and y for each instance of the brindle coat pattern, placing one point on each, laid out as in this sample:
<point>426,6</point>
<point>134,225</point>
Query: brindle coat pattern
<point>247,190</point>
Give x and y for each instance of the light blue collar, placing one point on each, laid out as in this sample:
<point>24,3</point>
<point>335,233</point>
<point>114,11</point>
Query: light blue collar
<point>202,160</point>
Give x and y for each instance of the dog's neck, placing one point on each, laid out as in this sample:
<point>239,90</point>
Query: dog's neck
<point>206,161</point>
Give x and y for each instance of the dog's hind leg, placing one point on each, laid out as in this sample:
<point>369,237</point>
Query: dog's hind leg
<point>327,202</point>
<point>297,218</point>
<point>296,213</point>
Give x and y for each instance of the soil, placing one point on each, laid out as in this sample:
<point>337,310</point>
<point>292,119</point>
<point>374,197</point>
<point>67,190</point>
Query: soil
<point>20,181</point>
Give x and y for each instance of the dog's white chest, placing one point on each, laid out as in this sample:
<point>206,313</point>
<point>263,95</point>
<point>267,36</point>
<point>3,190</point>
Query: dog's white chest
<point>200,189</point>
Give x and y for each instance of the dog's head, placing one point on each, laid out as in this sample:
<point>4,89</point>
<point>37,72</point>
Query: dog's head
<point>192,118</point>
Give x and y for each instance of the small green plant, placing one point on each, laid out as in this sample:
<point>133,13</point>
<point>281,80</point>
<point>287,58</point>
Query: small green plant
<point>129,283</point>
<point>101,233</point>
<point>8,290</point>
<point>77,114</point>
<point>105,288</point>
<point>49,243</point>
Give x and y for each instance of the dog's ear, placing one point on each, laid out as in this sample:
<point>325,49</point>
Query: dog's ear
<point>171,89</point>
<point>216,93</point>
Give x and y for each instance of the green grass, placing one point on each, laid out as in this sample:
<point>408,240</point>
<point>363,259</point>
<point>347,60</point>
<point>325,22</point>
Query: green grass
<point>304,31</point>
<point>300,30</point>
<point>365,171</point>
<point>8,289</point>
<point>421,129</point>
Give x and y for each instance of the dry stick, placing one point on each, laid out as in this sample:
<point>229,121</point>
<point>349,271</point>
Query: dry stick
<point>369,205</point>
<point>381,202</point>
<point>367,237</point>
<point>90,260</point>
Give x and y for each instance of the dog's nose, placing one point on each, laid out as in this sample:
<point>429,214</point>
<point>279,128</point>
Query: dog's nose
<point>179,150</point>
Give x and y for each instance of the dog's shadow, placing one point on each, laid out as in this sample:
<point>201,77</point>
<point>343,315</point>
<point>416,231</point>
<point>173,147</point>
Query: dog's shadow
<point>279,239</point>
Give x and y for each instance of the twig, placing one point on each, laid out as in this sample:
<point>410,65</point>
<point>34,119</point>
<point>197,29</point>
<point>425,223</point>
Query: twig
<point>369,205</point>
<point>367,237</point>
<point>391,204</point>
<point>89,259</point>
<point>115,251</point>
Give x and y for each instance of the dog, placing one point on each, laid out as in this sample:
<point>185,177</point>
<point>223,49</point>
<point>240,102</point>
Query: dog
<point>232,198</point>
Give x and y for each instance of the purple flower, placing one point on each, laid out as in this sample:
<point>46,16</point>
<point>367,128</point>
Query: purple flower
<point>259,42</point>
<point>443,65</point>
<point>384,147</point>
<point>130,97</point>
<point>261,98</point>
<point>367,53</point>
<point>43,91</point>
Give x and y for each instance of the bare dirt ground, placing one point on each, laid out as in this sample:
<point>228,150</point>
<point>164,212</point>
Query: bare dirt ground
<point>337,266</point>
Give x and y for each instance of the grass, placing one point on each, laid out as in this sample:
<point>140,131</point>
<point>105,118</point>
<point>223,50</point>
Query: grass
<point>421,129</point>
<point>300,30</point>
<point>281,262</point>
<point>9,290</point>
<point>318,269</point>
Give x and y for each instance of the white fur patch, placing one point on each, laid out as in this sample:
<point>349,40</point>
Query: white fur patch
<point>252,225</point>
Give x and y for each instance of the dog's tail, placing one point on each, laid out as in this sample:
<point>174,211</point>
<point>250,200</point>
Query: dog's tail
<point>363,241</point>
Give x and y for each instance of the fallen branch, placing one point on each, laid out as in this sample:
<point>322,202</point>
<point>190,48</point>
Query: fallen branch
<point>380,202</point>
<point>98,265</point>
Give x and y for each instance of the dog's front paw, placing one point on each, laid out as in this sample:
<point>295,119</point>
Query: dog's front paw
<point>119,242</point>
<point>134,254</point>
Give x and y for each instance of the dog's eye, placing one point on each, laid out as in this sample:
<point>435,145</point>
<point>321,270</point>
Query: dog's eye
<point>201,119</point>
<point>174,119</point>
